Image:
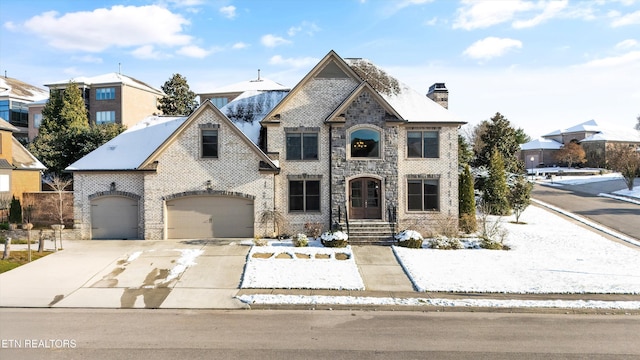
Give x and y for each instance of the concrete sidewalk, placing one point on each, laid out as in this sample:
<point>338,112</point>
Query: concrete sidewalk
<point>156,274</point>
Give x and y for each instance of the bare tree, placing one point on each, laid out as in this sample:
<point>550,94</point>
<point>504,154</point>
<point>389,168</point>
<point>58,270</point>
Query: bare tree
<point>59,185</point>
<point>626,160</point>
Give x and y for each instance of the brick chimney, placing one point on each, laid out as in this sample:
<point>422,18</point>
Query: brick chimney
<point>439,93</point>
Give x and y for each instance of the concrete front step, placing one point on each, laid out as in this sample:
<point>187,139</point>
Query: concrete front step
<point>370,232</point>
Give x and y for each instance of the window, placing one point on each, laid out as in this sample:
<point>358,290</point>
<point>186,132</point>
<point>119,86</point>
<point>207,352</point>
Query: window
<point>219,102</point>
<point>365,143</point>
<point>5,183</point>
<point>423,144</point>
<point>304,195</point>
<point>37,120</point>
<point>105,117</point>
<point>302,146</point>
<point>106,93</point>
<point>422,195</point>
<point>209,143</point>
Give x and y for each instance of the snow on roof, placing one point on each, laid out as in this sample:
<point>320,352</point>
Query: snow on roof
<point>541,143</point>
<point>110,78</point>
<point>249,108</point>
<point>587,126</point>
<point>23,159</point>
<point>410,104</point>
<point>261,84</point>
<point>131,148</point>
<point>15,88</point>
<point>615,134</point>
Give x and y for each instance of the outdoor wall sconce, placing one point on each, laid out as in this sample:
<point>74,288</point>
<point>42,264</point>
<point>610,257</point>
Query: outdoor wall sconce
<point>112,186</point>
<point>208,185</point>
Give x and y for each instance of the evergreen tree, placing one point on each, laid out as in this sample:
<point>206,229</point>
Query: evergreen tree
<point>637,127</point>
<point>465,154</point>
<point>73,114</point>
<point>15,211</point>
<point>51,113</point>
<point>467,202</point>
<point>179,99</point>
<point>520,196</point>
<point>501,136</point>
<point>496,190</point>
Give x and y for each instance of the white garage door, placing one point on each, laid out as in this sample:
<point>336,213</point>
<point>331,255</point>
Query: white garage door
<point>114,217</point>
<point>209,216</point>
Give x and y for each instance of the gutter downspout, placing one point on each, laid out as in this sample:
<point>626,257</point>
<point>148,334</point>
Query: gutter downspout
<point>330,176</point>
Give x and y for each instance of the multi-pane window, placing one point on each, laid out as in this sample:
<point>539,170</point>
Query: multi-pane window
<point>209,143</point>
<point>105,93</point>
<point>423,144</point>
<point>37,120</point>
<point>423,195</point>
<point>365,143</point>
<point>105,117</point>
<point>302,146</point>
<point>304,195</point>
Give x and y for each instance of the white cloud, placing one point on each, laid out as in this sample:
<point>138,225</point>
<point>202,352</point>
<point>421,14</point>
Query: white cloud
<point>146,52</point>
<point>228,11</point>
<point>628,19</point>
<point>627,44</point>
<point>482,14</point>
<point>491,47</point>
<point>193,51</point>
<point>270,40</point>
<point>550,10</point>
<point>87,59</point>
<point>239,45</point>
<point>120,26</point>
<point>10,26</point>
<point>294,62</point>
<point>632,57</point>
<point>306,27</point>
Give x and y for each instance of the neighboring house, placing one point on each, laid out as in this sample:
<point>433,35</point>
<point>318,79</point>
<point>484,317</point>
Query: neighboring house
<point>347,142</point>
<point>20,171</point>
<point>593,138</point>
<point>226,94</point>
<point>15,97</point>
<point>115,98</point>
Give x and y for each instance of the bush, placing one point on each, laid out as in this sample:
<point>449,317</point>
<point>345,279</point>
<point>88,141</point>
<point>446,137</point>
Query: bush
<point>409,239</point>
<point>336,239</point>
<point>489,244</point>
<point>257,241</point>
<point>15,211</point>
<point>300,240</point>
<point>468,223</point>
<point>313,229</point>
<point>445,243</point>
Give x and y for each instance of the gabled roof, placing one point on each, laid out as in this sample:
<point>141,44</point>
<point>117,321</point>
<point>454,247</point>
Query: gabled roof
<point>109,78</point>
<point>337,114</point>
<point>139,146</point>
<point>397,98</point>
<point>23,159</point>
<point>5,125</point>
<point>541,143</point>
<point>616,135</point>
<point>331,56</point>
<point>14,88</point>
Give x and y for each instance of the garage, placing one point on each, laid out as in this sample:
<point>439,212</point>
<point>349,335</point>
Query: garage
<point>114,217</point>
<point>209,216</point>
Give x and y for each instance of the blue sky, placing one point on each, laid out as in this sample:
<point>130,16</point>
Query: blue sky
<point>543,64</point>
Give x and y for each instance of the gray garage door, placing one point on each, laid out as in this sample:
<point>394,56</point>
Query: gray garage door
<point>114,217</point>
<point>209,216</point>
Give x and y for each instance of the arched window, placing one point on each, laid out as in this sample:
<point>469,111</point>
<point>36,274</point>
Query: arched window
<point>365,143</point>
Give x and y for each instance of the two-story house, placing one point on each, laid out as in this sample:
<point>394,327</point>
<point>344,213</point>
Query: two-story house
<point>348,143</point>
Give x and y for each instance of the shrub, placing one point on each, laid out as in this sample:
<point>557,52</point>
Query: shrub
<point>300,240</point>
<point>15,211</point>
<point>410,239</point>
<point>337,239</point>
<point>489,244</point>
<point>467,223</point>
<point>313,229</point>
<point>258,241</point>
<point>445,243</point>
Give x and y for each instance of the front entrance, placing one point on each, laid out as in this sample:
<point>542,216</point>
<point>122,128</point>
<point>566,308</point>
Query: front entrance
<point>364,199</point>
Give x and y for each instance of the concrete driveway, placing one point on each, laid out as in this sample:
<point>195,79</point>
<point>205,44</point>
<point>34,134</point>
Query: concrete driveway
<point>130,274</point>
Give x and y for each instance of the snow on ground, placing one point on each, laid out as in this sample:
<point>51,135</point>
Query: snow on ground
<point>548,255</point>
<point>301,268</point>
<point>581,179</point>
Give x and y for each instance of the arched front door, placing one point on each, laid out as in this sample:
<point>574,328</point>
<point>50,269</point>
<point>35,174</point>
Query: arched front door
<point>364,199</point>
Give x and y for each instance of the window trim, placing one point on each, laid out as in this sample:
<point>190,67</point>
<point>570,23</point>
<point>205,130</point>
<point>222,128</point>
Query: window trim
<point>304,195</point>
<point>349,145</point>
<point>422,194</point>
<point>202,143</point>
<point>105,93</point>
<point>422,144</point>
<point>302,131</point>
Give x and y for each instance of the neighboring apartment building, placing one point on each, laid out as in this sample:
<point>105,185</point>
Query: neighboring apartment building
<point>226,94</point>
<point>115,98</point>
<point>15,97</point>
<point>348,142</point>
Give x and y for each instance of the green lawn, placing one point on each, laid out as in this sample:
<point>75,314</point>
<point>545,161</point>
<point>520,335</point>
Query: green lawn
<point>18,258</point>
